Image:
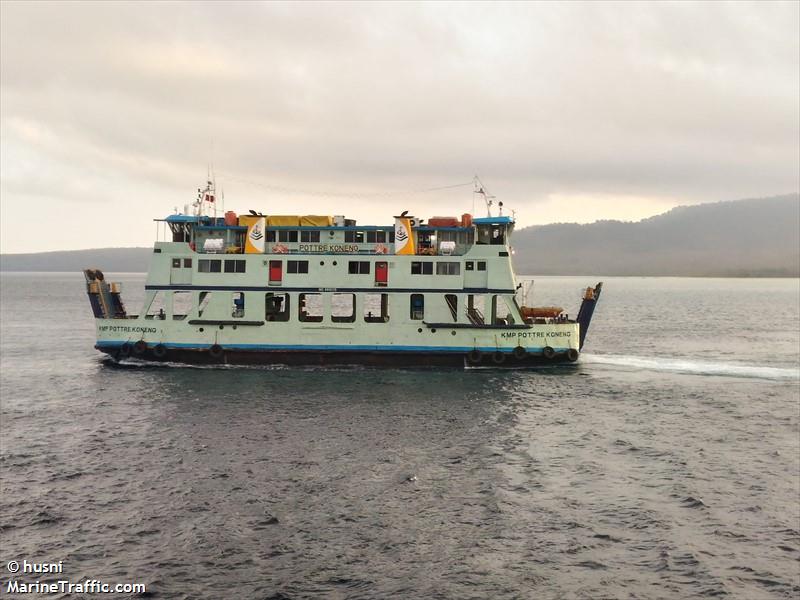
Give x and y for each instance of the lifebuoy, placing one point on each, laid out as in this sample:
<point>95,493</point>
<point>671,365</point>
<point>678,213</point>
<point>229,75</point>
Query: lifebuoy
<point>548,352</point>
<point>572,355</point>
<point>215,351</point>
<point>160,351</point>
<point>520,353</point>
<point>474,357</point>
<point>140,347</point>
<point>498,357</point>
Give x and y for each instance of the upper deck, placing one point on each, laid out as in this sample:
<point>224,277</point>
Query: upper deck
<point>257,234</point>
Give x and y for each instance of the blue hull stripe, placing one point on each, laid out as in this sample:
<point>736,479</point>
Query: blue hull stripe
<point>330,348</point>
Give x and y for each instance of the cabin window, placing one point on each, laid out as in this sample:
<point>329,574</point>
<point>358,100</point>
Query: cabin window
<point>421,268</point>
<point>270,235</point>
<point>475,309</point>
<point>237,305</point>
<point>181,305</point>
<point>205,265</point>
<point>498,235</point>
<point>311,310</point>
<point>376,237</point>
<point>469,266</point>
<point>354,237</point>
<point>391,236</point>
<point>417,306</point>
<point>157,306</point>
<point>287,236</point>
<point>343,308</point>
<point>297,266</point>
<point>358,267</point>
<point>376,308</point>
<point>481,265</point>
<point>276,307</point>
<point>452,303</point>
<point>448,268</point>
<point>235,266</point>
<point>176,263</point>
<point>202,302</point>
<point>187,263</point>
<point>309,236</point>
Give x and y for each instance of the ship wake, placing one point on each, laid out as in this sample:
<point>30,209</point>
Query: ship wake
<point>693,367</point>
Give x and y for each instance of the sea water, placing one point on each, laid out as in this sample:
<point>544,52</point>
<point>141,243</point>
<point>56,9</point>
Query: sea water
<point>665,464</point>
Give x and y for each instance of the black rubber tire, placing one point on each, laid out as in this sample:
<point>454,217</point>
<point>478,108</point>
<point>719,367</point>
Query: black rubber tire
<point>99,274</point>
<point>548,352</point>
<point>91,275</point>
<point>572,355</point>
<point>474,357</point>
<point>140,347</point>
<point>215,351</point>
<point>520,353</point>
<point>124,351</point>
<point>498,357</point>
<point>160,351</point>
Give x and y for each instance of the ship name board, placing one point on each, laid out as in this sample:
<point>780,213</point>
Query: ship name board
<point>535,334</point>
<point>332,248</point>
<point>126,329</point>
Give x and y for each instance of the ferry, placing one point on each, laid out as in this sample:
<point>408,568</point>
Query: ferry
<point>268,289</point>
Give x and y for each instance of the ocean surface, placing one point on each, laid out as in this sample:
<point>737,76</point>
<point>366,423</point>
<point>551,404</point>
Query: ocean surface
<point>666,464</point>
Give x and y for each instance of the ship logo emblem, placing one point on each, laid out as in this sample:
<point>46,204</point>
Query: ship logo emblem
<point>401,234</point>
<point>256,234</point>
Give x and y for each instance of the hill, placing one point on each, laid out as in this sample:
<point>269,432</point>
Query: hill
<point>742,238</point>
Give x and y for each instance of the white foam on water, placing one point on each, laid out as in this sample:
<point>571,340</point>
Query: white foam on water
<point>694,367</point>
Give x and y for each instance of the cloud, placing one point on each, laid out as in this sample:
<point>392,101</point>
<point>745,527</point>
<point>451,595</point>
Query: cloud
<point>628,106</point>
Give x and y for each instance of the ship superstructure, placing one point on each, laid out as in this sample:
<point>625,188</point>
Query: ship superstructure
<point>311,289</point>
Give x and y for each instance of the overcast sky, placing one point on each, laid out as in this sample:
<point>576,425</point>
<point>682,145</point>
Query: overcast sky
<point>111,112</point>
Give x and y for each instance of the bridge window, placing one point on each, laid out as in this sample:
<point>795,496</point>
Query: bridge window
<point>376,237</point>
<point>276,307</point>
<point>287,236</point>
<point>421,268</point>
<point>376,308</point>
<point>187,263</point>
<point>481,265</point>
<point>448,268</point>
<point>354,237</point>
<point>176,263</point>
<point>358,267</point>
<point>309,236</point>
<point>311,310</point>
<point>235,266</point>
<point>297,266</point>
<point>469,265</point>
<point>209,266</point>
<point>343,308</point>
<point>417,307</point>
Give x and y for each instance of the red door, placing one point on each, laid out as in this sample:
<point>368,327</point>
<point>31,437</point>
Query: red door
<point>381,273</point>
<point>275,271</point>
